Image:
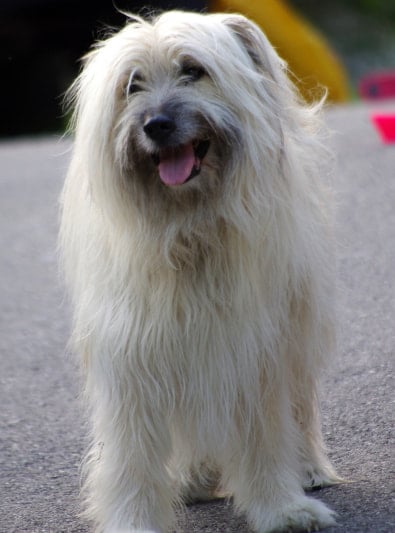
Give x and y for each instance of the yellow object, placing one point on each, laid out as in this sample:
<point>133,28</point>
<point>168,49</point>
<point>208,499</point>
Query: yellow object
<point>309,57</point>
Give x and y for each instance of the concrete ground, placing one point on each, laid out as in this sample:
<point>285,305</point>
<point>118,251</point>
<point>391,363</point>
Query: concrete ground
<point>41,426</point>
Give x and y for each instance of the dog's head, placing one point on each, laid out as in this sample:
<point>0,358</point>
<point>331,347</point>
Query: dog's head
<point>182,107</point>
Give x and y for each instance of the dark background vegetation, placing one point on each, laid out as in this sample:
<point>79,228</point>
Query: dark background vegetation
<point>362,32</point>
<point>42,40</point>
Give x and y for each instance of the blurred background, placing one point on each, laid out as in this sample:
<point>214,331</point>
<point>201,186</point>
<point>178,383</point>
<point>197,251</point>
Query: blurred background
<point>347,45</point>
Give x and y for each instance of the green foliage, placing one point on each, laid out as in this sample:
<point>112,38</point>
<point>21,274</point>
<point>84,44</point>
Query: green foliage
<point>378,9</point>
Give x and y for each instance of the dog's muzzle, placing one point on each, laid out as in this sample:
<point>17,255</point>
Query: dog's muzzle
<point>176,163</point>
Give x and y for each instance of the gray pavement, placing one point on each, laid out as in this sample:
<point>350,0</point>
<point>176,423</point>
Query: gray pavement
<point>41,425</point>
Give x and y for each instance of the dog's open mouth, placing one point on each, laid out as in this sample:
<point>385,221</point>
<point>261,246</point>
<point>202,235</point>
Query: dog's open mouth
<point>179,164</point>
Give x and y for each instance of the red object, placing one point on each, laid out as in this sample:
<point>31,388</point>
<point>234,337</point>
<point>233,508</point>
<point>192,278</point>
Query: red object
<point>377,86</point>
<point>385,123</point>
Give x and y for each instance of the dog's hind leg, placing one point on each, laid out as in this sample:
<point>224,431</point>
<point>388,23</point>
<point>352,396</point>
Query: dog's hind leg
<point>316,469</point>
<point>306,357</point>
<point>202,484</point>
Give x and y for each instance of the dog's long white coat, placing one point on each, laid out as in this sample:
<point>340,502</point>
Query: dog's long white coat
<point>203,314</point>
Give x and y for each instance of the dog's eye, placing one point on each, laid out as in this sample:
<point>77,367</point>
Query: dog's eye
<point>193,72</point>
<point>134,84</point>
<point>133,88</point>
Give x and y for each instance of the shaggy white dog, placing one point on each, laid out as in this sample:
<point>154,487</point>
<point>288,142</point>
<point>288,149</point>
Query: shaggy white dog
<point>197,246</point>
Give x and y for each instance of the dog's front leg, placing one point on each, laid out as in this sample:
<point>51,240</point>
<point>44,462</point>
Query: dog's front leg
<point>128,489</point>
<point>262,471</point>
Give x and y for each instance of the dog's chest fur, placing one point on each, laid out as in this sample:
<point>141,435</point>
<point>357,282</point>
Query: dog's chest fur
<point>197,323</point>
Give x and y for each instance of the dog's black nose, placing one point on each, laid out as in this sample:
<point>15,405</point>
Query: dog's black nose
<point>159,127</point>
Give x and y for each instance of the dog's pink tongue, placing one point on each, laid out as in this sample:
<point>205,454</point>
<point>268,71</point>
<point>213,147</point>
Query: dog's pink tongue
<point>176,165</point>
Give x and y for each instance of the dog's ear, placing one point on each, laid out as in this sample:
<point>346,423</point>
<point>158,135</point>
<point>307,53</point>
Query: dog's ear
<point>256,44</point>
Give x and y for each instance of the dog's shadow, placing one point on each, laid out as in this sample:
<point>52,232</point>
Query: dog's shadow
<point>358,505</point>
<point>218,516</point>
<point>209,517</point>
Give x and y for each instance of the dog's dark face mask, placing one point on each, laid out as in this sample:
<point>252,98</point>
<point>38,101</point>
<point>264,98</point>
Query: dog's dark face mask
<point>176,135</point>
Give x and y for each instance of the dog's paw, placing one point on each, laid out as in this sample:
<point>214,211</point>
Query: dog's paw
<point>305,514</point>
<point>202,494</point>
<point>203,486</point>
<point>315,478</point>
<point>198,494</point>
